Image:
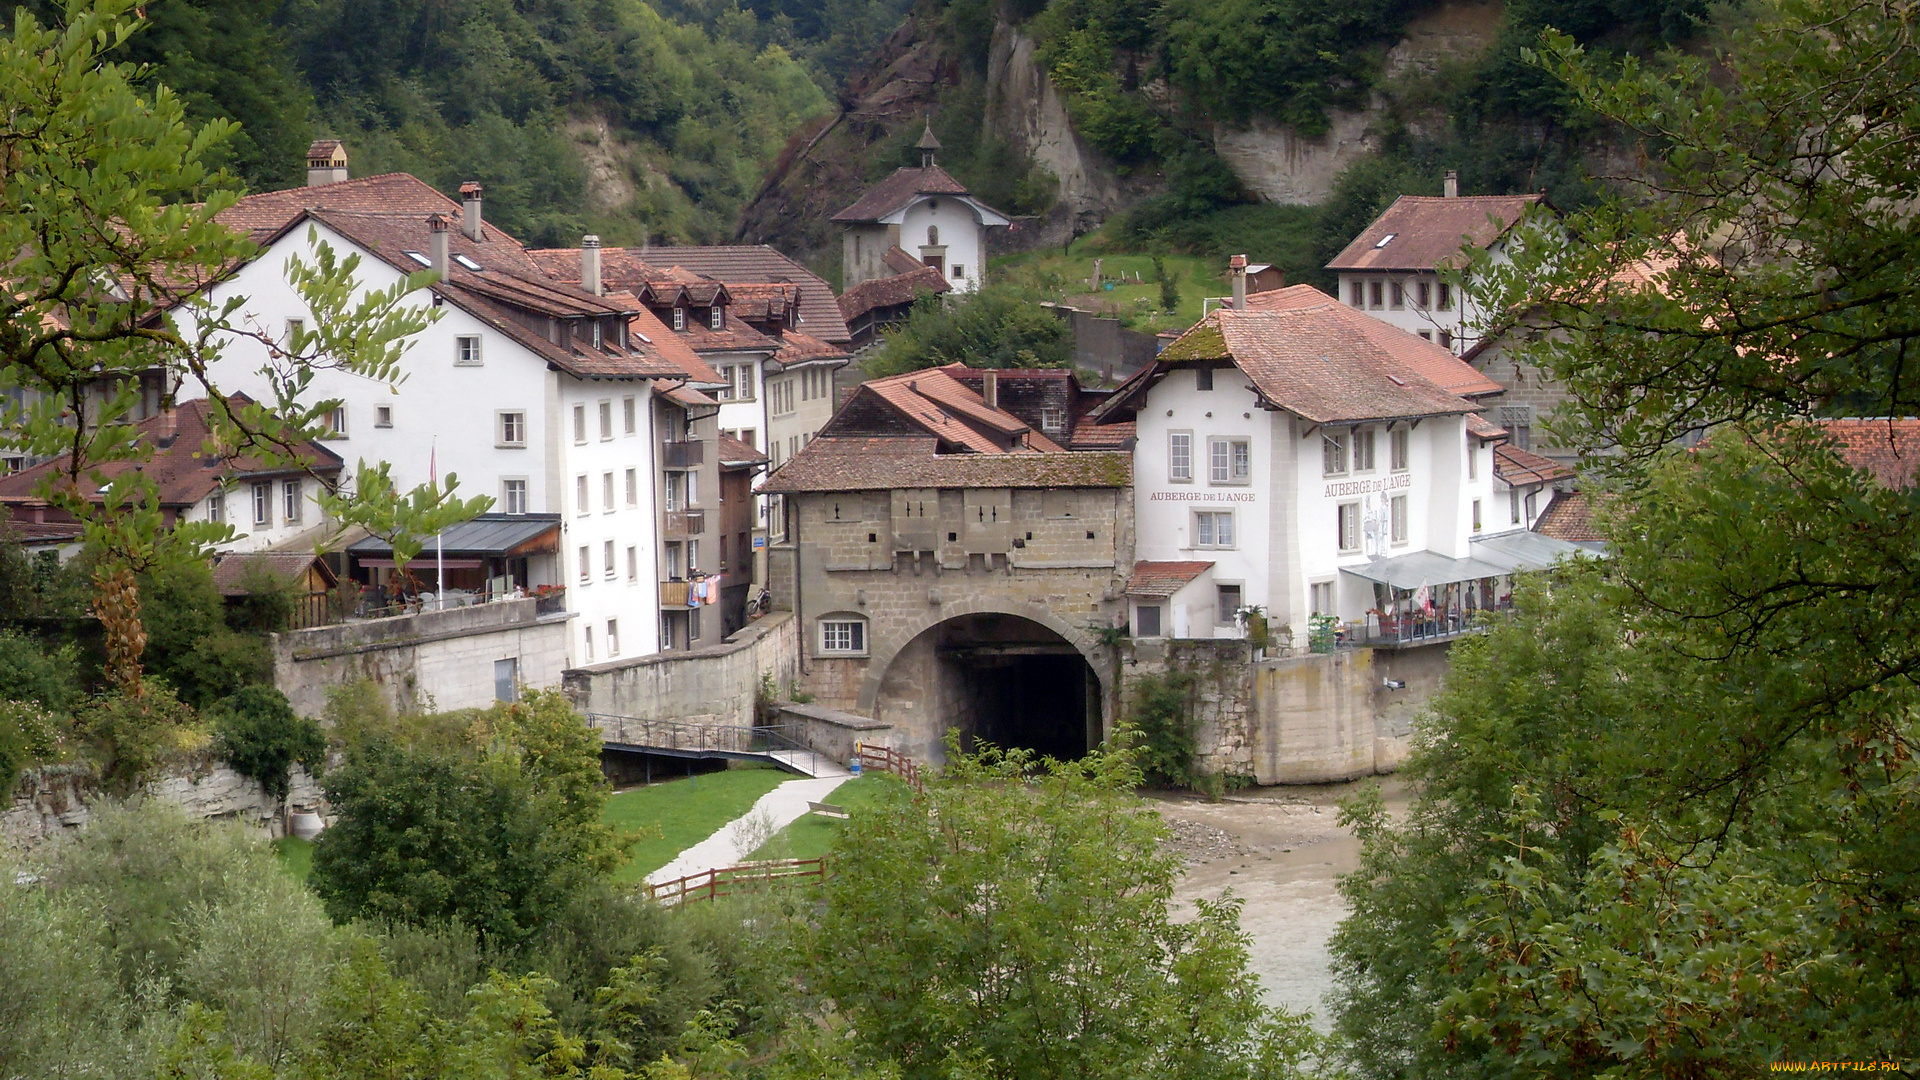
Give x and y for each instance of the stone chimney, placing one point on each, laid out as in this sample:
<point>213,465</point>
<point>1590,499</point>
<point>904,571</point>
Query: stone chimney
<point>471,222</point>
<point>1450,187</point>
<point>590,263</point>
<point>437,238</point>
<point>990,388</point>
<point>326,162</point>
<point>1237,270</point>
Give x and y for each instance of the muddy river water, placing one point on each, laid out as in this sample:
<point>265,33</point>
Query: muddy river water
<point>1279,850</point>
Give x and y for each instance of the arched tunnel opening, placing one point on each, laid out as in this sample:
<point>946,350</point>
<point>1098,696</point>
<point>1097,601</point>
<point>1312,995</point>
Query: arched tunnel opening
<point>997,678</point>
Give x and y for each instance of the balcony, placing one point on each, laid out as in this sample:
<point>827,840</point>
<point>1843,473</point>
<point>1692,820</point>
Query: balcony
<point>683,455</point>
<point>682,524</point>
<point>673,594</point>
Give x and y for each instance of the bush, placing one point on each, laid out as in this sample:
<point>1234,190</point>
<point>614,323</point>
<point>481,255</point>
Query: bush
<point>31,671</point>
<point>997,327</point>
<point>260,736</point>
<point>29,735</point>
<point>134,735</point>
<point>1161,723</point>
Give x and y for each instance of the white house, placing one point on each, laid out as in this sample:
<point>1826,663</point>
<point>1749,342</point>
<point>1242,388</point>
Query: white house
<point>532,391</point>
<point>924,212</point>
<point>1295,456</point>
<point>1392,270</point>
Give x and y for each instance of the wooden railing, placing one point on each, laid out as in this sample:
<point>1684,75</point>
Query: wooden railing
<point>888,760</point>
<point>732,880</point>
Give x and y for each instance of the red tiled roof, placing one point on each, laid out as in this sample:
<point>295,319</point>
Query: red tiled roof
<point>182,470</point>
<point>232,572</point>
<point>891,291</point>
<point>1424,233</point>
<point>1163,578</point>
<point>39,532</point>
<point>899,261</point>
<point>1482,428</point>
<point>1517,466</point>
<point>1888,449</point>
<point>935,401</point>
<point>881,464</point>
<point>1111,436</point>
<point>899,189</point>
<point>771,302</point>
<point>1436,362</point>
<point>1570,517</point>
<point>734,452</point>
<point>647,334</point>
<point>797,348</point>
<point>742,264</point>
<point>269,212</point>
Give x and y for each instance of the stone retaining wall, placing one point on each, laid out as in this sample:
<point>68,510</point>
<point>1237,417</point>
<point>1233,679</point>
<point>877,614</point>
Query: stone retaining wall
<point>54,799</point>
<point>715,685</point>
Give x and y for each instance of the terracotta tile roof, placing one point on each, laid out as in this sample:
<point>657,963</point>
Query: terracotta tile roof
<point>1163,579</point>
<point>232,572</point>
<point>1088,435</point>
<point>899,261</point>
<point>766,302</point>
<point>1888,449</point>
<point>269,212</point>
<point>1517,466</point>
<point>646,333</point>
<point>1315,361</point>
<point>1436,362</point>
<point>1570,517</point>
<point>1482,428</point>
<point>738,336</point>
<point>690,397</point>
<point>39,532</point>
<point>1424,233</point>
<point>891,291</point>
<point>733,452</point>
<point>744,264</point>
<point>180,468</point>
<point>927,414</point>
<point>881,464</point>
<point>797,348</point>
<point>899,189</point>
<point>936,402</point>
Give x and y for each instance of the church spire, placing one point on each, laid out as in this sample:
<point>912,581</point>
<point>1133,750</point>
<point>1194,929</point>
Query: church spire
<point>927,144</point>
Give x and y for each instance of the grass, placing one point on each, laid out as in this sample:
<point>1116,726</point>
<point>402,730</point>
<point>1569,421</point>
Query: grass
<point>295,854</point>
<point>813,836</point>
<point>671,817</point>
<point>1067,279</point>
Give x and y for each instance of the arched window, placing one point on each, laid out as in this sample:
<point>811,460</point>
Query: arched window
<point>933,236</point>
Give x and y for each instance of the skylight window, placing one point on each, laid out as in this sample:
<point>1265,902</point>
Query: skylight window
<point>419,258</point>
<point>466,262</point>
<point>1385,240</point>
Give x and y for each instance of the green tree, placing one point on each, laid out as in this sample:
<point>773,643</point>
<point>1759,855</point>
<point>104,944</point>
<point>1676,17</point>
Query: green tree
<point>996,327</point>
<point>256,730</point>
<point>1014,919</point>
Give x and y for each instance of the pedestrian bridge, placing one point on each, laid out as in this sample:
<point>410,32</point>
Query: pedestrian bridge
<point>782,745</point>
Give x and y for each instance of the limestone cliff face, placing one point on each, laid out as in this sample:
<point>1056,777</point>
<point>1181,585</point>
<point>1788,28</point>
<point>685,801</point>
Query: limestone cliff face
<point>1024,110</point>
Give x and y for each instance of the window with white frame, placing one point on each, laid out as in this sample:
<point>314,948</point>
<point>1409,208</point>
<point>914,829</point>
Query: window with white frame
<point>633,487</point>
<point>1397,297</point>
<point>383,416</point>
<point>1532,496</point>
<point>1230,461</point>
<point>842,635</point>
<point>580,495</point>
<point>613,638</point>
<point>1446,297</point>
<point>606,492</point>
<point>633,563</point>
<point>1203,378</point>
<point>610,569</point>
<point>1333,453</point>
<point>1423,295</point>
<point>959,271</point>
<point>513,496</point>
<point>1373,295</point>
<point>1229,607</point>
<point>512,429</point>
<point>679,318</point>
<point>1053,419</point>
<point>217,506</point>
<point>627,415</point>
<point>290,501</point>
<point>337,423</point>
<point>693,626</point>
<point>1513,505</point>
<point>1180,456</point>
<point>1476,515</point>
<point>1356,294</point>
<point>676,484</point>
<point>606,420</point>
<point>693,490</point>
<point>586,564</point>
<point>589,644</point>
<point>1213,528</point>
<point>1397,449</point>
<point>1473,458</point>
<point>1363,450</point>
<point>262,504</point>
<point>579,424</point>
<point>466,350</point>
<point>1397,518</point>
<point>1322,592</point>
<point>716,317</point>
<point>1349,526</point>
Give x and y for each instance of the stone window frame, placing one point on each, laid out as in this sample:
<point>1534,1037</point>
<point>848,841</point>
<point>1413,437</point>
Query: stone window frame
<point>1216,518</point>
<point>843,633</point>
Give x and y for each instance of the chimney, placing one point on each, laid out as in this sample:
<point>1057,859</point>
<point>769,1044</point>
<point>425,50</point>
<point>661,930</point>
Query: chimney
<point>990,388</point>
<point>326,162</point>
<point>1451,186</point>
<point>1237,270</point>
<point>470,208</point>
<point>590,263</point>
<point>437,226</point>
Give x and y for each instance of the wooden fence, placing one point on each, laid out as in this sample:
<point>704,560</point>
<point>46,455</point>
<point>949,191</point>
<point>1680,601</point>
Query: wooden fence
<point>731,880</point>
<point>888,760</point>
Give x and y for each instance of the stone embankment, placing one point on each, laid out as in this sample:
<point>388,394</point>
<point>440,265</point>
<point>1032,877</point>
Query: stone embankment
<point>55,798</point>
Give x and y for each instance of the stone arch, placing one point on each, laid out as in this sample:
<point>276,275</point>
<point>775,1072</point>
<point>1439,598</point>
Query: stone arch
<point>882,655</point>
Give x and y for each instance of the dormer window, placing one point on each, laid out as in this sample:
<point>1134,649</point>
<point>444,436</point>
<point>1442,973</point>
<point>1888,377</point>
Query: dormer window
<point>679,318</point>
<point>716,317</point>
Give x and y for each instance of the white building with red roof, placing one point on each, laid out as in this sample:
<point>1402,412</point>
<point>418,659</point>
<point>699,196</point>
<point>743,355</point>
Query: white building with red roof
<point>924,213</point>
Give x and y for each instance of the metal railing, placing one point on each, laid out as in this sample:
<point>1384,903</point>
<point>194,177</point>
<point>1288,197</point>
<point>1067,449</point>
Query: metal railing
<point>683,454</point>
<point>684,737</point>
<point>732,880</point>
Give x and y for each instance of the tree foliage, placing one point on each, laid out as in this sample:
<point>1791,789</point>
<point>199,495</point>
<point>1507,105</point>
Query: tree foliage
<point>995,327</point>
<point>1014,921</point>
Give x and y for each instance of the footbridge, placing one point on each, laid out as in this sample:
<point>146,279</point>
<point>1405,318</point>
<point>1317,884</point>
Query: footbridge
<point>783,745</point>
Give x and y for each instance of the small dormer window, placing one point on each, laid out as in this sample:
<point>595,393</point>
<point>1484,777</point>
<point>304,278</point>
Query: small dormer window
<point>679,318</point>
<point>716,317</point>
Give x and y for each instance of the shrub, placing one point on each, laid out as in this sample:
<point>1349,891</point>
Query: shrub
<point>30,671</point>
<point>260,736</point>
<point>1160,722</point>
<point>29,735</point>
<point>134,735</point>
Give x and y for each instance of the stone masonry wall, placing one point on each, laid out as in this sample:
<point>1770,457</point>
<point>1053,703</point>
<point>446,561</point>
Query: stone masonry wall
<point>714,685</point>
<point>433,661</point>
<point>51,800</point>
<point>1221,698</point>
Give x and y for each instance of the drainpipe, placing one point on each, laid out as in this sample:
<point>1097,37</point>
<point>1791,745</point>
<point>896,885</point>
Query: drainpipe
<point>799,615</point>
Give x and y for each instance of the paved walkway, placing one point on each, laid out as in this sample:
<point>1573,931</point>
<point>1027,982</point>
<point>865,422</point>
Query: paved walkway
<point>735,840</point>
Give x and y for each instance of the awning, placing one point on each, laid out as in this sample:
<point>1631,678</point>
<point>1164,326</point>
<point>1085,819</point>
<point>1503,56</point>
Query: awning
<point>1418,568</point>
<point>1522,550</point>
<point>489,535</point>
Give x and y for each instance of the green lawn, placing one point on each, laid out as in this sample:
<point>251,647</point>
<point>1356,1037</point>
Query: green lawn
<point>1069,278</point>
<point>671,817</point>
<point>813,836</point>
<point>295,854</point>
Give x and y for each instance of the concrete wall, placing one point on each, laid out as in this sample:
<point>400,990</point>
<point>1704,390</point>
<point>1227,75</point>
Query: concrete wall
<point>832,732</point>
<point>429,662</point>
<point>713,685</point>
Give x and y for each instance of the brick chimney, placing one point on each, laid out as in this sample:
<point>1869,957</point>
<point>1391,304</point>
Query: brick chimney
<point>437,227</point>
<point>1237,270</point>
<point>471,222</point>
<point>590,263</point>
<point>326,162</point>
<point>1450,187</point>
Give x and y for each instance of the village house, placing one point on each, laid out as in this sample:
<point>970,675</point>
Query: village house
<point>952,564</point>
<point>536,392</point>
<point>923,213</point>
